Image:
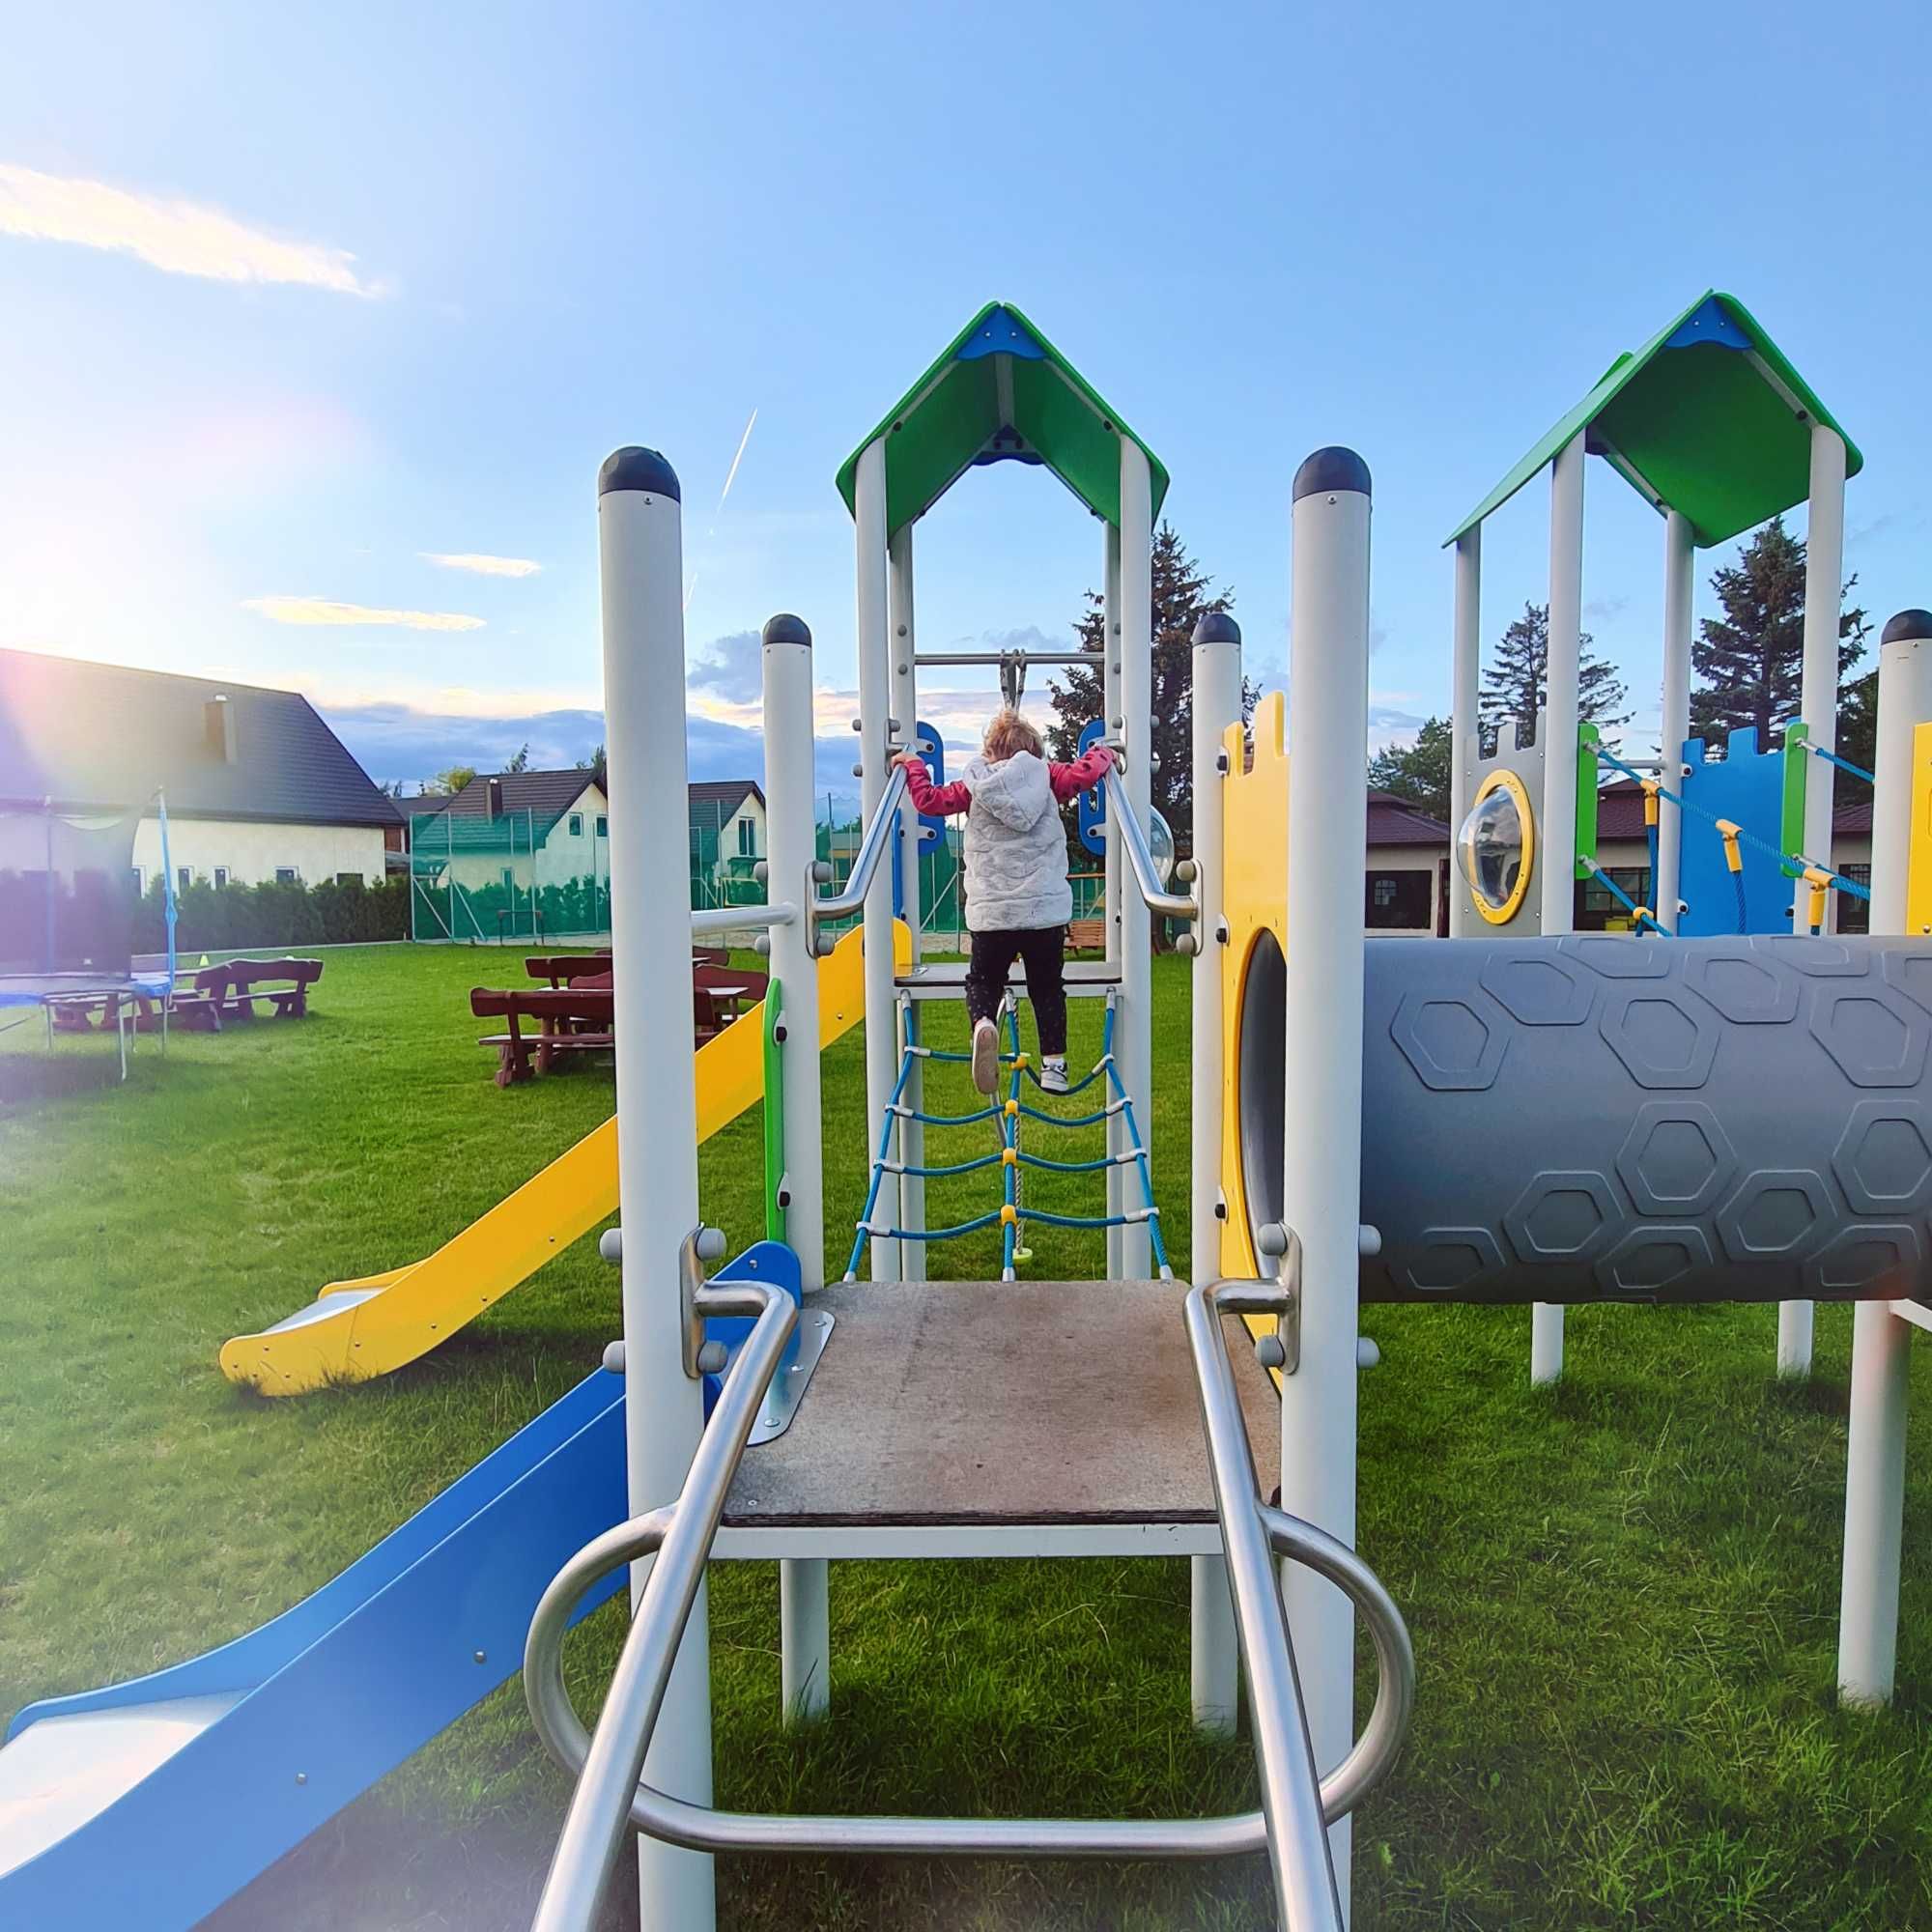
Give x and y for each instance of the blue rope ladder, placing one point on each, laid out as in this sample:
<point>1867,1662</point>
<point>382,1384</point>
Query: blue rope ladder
<point>1010,1157</point>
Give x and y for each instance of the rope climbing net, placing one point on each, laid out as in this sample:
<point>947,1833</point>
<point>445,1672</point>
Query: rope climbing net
<point>1820,878</point>
<point>1011,1214</point>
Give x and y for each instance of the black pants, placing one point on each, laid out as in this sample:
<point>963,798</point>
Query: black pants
<point>1042,949</point>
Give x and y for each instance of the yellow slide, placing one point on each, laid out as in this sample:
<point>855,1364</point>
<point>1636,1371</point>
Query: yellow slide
<point>359,1329</point>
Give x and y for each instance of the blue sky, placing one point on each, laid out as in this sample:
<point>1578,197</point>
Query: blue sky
<point>303,309</point>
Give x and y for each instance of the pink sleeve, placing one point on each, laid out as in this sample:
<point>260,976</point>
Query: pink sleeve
<point>1069,780</point>
<point>935,801</point>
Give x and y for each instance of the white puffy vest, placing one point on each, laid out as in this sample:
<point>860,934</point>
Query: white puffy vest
<point>1015,847</point>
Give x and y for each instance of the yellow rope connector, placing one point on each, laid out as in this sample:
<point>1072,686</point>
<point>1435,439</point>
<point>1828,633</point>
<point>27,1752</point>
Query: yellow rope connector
<point>1728,831</point>
<point>1010,1157</point>
<point>1649,801</point>
<point>1013,1108</point>
<point>1820,882</point>
<point>1021,1060</point>
<point>1010,1215</point>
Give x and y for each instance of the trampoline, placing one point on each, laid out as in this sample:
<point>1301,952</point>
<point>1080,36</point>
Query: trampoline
<point>68,901</point>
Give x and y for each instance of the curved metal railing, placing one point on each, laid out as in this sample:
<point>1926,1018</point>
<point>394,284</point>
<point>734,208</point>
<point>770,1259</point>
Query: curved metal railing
<point>1133,841</point>
<point>872,848</point>
<point>1295,1804</point>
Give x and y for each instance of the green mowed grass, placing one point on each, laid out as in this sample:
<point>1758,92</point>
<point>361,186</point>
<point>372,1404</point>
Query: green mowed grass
<point>1623,1591</point>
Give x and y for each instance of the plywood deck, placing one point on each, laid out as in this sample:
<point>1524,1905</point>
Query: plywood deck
<point>986,1403</point>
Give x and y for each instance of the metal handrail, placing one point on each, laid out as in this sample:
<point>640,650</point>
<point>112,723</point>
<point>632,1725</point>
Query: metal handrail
<point>870,849</point>
<point>637,1691</point>
<point>1297,1806</point>
<point>737,918</point>
<point>613,1761</point>
<point>1133,840</point>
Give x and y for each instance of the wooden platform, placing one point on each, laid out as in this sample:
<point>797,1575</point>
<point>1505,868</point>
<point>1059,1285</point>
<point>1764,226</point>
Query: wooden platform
<point>990,1417</point>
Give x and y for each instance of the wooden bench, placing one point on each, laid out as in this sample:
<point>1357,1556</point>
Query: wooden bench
<point>1087,935</point>
<point>573,1020</point>
<point>716,988</point>
<point>563,969</point>
<point>229,991</point>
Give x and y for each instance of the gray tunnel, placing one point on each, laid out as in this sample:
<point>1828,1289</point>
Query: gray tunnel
<point>1602,1119</point>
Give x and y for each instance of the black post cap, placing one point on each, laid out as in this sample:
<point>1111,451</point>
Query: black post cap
<point>1216,627</point>
<point>785,629</point>
<point>1907,624</point>
<point>1331,469</point>
<point>635,467</point>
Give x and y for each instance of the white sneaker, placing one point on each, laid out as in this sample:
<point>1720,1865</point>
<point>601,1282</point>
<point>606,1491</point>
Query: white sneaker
<point>985,1056</point>
<point>1053,1076</point>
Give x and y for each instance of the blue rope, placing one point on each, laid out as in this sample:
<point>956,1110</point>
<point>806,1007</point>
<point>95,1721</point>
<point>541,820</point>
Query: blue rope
<point>956,1167</point>
<point>939,1234</point>
<point>1843,764</point>
<point>1069,1166</point>
<point>954,1119</point>
<point>1092,1220</point>
<point>1063,1120</point>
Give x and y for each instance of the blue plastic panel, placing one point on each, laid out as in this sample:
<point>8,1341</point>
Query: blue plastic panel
<point>1747,787</point>
<point>769,1262</point>
<point>931,748</point>
<point>1092,809</point>
<point>1001,335</point>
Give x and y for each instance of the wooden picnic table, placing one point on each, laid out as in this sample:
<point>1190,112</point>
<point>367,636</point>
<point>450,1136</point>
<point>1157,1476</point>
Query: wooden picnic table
<point>570,1019</point>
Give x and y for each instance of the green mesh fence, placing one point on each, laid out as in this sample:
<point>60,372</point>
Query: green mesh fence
<point>501,881</point>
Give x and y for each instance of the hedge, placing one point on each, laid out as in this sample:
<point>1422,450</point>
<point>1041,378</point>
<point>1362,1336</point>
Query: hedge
<point>221,919</point>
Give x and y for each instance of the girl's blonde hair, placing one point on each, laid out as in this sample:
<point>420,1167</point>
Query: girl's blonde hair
<point>1009,732</point>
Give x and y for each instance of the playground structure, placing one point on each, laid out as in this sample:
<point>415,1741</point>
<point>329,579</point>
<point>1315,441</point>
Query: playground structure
<point>1512,1121</point>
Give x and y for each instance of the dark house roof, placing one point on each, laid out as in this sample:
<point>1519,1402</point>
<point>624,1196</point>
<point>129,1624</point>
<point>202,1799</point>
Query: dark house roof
<point>545,795</point>
<point>722,796</point>
<point>1394,821</point>
<point>94,736</point>
<point>1620,814</point>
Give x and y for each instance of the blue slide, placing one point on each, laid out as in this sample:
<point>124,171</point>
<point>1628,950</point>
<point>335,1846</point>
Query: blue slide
<point>147,1803</point>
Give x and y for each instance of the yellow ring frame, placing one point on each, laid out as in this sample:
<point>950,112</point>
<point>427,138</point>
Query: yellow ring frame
<point>1509,781</point>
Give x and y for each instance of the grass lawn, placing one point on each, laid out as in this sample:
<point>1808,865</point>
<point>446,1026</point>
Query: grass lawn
<point>1623,1591</point>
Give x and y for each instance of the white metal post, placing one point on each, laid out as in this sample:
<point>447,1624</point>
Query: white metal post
<point>1818,706</point>
<point>804,1616</point>
<point>1217,705</point>
<point>1133,1038</point>
<point>904,701</point>
<point>640,551</point>
<point>1465,710</point>
<point>1679,592</point>
<point>1558,830</point>
<point>1321,1161</point>
<point>1113,869</point>
<point>874,748</point>
<point>1880,1342</point>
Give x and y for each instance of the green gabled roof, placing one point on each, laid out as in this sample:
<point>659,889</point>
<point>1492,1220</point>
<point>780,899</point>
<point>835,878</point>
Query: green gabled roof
<point>999,391</point>
<point>1707,418</point>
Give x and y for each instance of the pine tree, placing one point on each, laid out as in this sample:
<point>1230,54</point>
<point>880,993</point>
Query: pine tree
<point>1751,663</point>
<point>1181,595</point>
<point>1512,686</point>
<point>1419,773</point>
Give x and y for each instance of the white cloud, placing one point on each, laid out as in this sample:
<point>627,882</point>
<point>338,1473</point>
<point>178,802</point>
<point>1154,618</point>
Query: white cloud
<point>183,238</point>
<point>481,565</point>
<point>328,610</point>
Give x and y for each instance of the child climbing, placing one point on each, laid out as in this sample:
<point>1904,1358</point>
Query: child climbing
<point>1017,898</point>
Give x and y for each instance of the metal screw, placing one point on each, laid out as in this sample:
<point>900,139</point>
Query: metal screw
<point>479,1656</point>
<point>301,1777</point>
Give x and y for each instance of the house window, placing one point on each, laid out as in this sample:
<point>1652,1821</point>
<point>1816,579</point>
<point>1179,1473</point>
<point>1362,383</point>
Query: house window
<point>1598,909</point>
<point>747,840</point>
<point>1397,901</point>
<point>220,877</point>
<point>287,875</point>
<point>1854,913</point>
<point>577,825</point>
<point>183,877</point>
<point>348,878</point>
<point>603,826</point>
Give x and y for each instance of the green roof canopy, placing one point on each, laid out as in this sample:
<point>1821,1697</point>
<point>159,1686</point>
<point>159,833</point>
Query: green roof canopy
<point>1707,418</point>
<point>999,391</point>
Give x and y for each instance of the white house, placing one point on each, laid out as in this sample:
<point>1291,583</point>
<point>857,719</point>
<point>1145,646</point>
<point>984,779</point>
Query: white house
<point>257,786</point>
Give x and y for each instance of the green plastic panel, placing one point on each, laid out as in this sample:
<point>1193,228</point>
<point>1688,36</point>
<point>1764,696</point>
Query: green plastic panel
<point>775,1120</point>
<point>1588,738</point>
<point>1791,819</point>
<point>1721,435</point>
<point>952,414</point>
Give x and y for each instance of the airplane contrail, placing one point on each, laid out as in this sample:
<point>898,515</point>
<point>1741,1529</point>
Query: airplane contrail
<point>730,474</point>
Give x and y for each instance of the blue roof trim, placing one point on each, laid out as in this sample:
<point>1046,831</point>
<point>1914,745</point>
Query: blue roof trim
<point>1711,322</point>
<point>1001,335</point>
